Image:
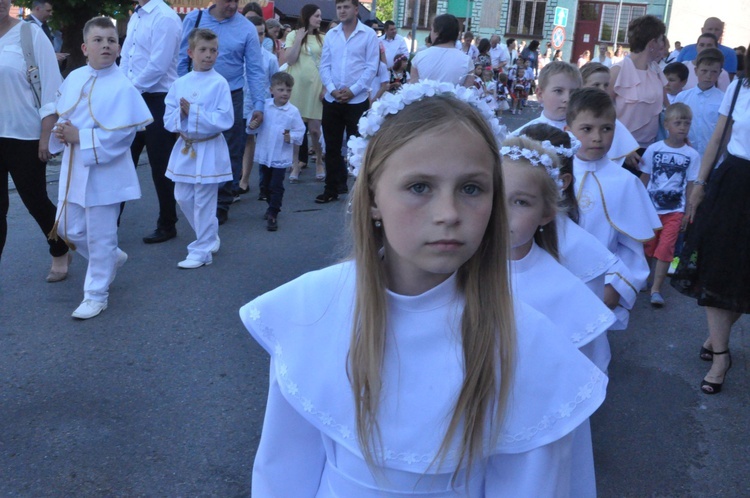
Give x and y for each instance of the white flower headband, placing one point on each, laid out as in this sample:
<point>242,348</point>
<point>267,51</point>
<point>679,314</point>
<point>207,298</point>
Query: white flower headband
<point>392,103</point>
<point>534,157</point>
<point>561,150</point>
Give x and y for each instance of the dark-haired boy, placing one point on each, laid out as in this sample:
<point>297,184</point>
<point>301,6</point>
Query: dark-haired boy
<point>677,75</point>
<point>706,41</point>
<point>614,205</point>
<point>100,112</point>
<point>704,99</point>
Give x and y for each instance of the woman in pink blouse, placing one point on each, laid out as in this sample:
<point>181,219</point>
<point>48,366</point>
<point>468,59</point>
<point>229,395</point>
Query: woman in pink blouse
<point>637,84</point>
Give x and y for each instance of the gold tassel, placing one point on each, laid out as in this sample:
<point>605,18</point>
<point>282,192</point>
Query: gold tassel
<point>193,155</point>
<point>186,149</point>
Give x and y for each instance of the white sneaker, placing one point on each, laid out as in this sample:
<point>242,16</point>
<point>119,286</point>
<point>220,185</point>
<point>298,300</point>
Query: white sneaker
<point>122,258</point>
<point>189,264</point>
<point>217,245</point>
<point>89,309</point>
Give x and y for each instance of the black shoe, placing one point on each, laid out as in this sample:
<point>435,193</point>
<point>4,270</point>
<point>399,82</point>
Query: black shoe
<point>222,215</point>
<point>160,235</point>
<point>715,387</point>
<point>262,197</point>
<point>343,191</point>
<point>325,198</point>
<point>243,190</point>
<point>271,224</point>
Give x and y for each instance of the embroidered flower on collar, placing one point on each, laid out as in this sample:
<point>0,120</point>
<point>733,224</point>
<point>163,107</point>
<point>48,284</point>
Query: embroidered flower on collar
<point>392,103</point>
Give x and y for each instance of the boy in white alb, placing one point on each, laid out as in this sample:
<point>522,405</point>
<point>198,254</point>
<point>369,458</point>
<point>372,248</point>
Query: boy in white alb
<point>557,80</point>
<point>199,108</point>
<point>667,167</point>
<point>100,112</point>
<point>281,129</point>
<point>704,99</point>
<point>614,205</point>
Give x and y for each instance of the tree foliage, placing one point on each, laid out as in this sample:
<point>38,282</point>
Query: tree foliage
<point>69,16</point>
<point>385,11</point>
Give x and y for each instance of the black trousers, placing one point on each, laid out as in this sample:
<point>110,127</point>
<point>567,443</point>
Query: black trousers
<point>20,159</point>
<point>159,143</point>
<point>337,119</point>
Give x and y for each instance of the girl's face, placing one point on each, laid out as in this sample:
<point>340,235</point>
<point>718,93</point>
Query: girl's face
<point>478,71</point>
<point>527,210</point>
<point>434,198</point>
<point>315,20</point>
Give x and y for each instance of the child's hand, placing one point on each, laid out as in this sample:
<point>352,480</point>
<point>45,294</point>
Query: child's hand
<point>287,137</point>
<point>184,107</point>
<point>67,133</point>
<point>611,297</point>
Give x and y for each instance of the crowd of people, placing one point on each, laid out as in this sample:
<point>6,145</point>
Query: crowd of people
<point>463,347</point>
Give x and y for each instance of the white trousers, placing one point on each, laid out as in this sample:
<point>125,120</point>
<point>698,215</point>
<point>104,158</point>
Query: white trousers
<point>198,204</point>
<point>93,230</point>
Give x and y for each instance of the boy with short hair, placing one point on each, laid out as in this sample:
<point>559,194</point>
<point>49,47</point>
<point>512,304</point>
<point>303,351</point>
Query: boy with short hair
<point>677,75</point>
<point>100,112</point>
<point>199,108</point>
<point>667,167</point>
<point>706,41</point>
<point>704,99</point>
<point>556,82</point>
<point>281,129</point>
<point>614,205</point>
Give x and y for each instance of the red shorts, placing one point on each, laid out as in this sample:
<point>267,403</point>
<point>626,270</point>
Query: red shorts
<point>662,245</point>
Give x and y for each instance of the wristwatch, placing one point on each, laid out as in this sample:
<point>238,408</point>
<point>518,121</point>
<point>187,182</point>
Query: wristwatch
<point>702,183</point>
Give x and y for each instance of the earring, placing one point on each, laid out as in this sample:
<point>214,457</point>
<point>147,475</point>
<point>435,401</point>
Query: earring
<point>541,228</point>
<point>378,224</point>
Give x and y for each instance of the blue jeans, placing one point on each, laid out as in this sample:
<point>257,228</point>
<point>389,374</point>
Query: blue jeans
<point>236,138</point>
<point>272,184</point>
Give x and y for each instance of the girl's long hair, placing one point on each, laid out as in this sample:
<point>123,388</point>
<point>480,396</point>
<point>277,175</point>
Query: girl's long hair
<point>547,238</point>
<point>487,324</point>
<point>557,137</point>
<point>305,14</point>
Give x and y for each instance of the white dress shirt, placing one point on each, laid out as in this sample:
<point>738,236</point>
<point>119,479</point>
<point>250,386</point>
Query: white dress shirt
<point>149,55</point>
<point>393,47</point>
<point>349,62</point>
<point>499,54</point>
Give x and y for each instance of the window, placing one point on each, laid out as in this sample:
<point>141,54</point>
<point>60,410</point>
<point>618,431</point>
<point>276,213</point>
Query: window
<point>609,18</point>
<point>427,11</point>
<point>526,17</point>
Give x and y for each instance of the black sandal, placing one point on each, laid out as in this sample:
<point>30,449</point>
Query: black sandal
<point>706,354</point>
<point>715,387</point>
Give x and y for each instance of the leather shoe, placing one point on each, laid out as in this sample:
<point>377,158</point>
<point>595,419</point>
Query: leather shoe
<point>160,235</point>
<point>325,198</point>
<point>222,215</point>
<point>190,264</point>
<point>89,309</point>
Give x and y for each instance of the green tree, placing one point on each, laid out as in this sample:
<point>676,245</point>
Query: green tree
<point>69,16</point>
<point>384,10</point>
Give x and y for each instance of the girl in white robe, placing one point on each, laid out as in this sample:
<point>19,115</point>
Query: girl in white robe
<point>378,365</point>
<point>532,194</point>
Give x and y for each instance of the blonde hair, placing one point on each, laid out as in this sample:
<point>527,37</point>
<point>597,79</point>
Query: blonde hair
<point>547,238</point>
<point>558,67</point>
<point>487,323</point>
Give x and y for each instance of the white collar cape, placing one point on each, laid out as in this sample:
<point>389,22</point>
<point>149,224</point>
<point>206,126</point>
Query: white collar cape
<point>305,326</point>
<point>545,285</point>
<point>580,252</point>
<point>625,201</point>
<point>113,101</point>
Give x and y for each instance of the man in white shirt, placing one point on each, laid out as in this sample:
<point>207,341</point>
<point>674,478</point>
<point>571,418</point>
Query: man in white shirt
<point>393,42</point>
<point>498,53</point>
<point>149,61</point>
<point>350,59</point>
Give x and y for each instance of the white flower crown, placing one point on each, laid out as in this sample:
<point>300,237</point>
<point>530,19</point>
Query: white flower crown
<point>534,157</point>
<point>392,103</point>
<point>561,150</point>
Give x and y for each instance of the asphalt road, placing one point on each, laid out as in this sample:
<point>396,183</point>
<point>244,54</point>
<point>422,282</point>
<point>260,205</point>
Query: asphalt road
<point>164,393</point>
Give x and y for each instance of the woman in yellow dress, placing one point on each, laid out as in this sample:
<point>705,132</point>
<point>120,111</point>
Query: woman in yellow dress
<point>303,49</point>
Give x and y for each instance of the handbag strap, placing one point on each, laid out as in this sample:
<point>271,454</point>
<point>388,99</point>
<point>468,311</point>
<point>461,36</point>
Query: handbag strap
<point>719,151</point>
<point>196,26</point>
<point>27,47</point>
